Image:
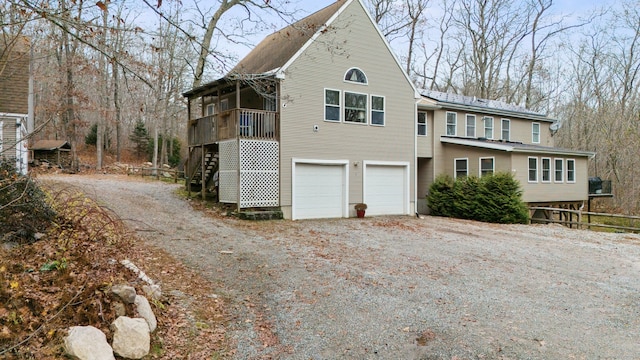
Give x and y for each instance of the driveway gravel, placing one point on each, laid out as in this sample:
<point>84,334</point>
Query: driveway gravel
<point>397,287</point>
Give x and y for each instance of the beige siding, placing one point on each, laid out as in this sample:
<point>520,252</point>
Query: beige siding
<point>352,41</point>
<point>502,160</point>
<point>552,191</point>
<point>522,131</point>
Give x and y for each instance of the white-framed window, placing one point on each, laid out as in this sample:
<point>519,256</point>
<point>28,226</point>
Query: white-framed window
<point>571,170</point>
<point>506,129</point>
<point>533,169</point>
<point>355,75</point>
<point>535,133</point>
<point>487,166</point>
<point>331,105</point>
<point>558,170</point>
<point>355,107</point>
<point>377,110</point>
<point>422,123</point>
<point>461,167</point>
<point>546,169</point>
<point>452,119</point>
<point>471,125</point>
<point>487,121</point>
<point>210,109</point>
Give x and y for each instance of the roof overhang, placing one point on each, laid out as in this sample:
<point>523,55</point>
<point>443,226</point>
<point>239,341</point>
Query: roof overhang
<point>515,147</point>
<point>494,111</point>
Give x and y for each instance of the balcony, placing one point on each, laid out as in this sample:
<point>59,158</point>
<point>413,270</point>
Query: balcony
<point>235,123</point>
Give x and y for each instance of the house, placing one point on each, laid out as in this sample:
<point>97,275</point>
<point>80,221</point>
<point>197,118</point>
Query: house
<point>320,116</point>
<point>462,135</point>
<point>14,100</point>
<point>53,152</point>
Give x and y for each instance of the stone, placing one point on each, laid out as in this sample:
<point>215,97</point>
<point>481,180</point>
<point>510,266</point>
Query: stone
<point>125,292</point>
<point>145,311</point>
<point>87,343</point>
<point>131,337</point>
<point>152,291</point>
<point>119,308</point>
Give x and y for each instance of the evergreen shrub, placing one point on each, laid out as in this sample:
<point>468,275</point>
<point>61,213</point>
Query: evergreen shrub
<point>493,198</point>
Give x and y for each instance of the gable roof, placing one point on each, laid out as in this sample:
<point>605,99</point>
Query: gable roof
<point>512,146</point>
<point>472,103</point>
<point>275,50</point>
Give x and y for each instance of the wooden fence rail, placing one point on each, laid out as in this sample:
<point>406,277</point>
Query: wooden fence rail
<point>580,215</point>
<point>156,172</point>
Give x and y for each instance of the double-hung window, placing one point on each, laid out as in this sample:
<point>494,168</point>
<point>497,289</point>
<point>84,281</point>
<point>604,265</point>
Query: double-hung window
<point>571,170</point>
<point>488,127</point>
<point>558,170</point>
<point>506,129</point>
<point>355,107</point>
<point>546,170</point>
<point>461,167</point>
<point>533,169</point>
<point>486,166</point>
<point>471,126</point>
<point>452,119</point>
<point>422,123</point>
<point>331,105</point>
<point>377,110</point>
<point>535,133</point>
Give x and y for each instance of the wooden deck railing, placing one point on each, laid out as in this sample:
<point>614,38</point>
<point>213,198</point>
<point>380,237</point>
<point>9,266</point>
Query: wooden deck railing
<point>580,223</point>
<point>235,123</point>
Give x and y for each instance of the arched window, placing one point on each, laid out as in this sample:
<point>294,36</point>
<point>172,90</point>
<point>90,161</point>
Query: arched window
<point>355,75</point>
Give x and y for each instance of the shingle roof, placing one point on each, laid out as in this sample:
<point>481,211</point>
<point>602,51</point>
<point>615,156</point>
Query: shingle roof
<point>276,49</point>
<point>475,102</point>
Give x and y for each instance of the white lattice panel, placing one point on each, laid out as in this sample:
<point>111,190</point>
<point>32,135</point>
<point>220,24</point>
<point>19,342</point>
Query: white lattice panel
<point>258,155</point>
<point>228,172</point>
<point>259,173</point>
<point>228,155</point>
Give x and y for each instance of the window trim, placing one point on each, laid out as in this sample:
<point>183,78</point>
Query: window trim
<point>418,123</point>
<point>366,78</point>
<point>502,121</point>
<point>466,125</point>
<point>493,165</point>
<point>210,106</point>
<point>533,133</point>
<point>529,169</point>
<point>484,126</point>
<point>371,110</point>
<point>344,108</point>
<point>555,170</point>
<point>573,171</point>
<point>455,167</point>
<point>339,106</point>
<point>550,170</point>
<point>455,124</point>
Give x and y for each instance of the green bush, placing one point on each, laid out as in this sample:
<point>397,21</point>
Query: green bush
<point>493,198</point>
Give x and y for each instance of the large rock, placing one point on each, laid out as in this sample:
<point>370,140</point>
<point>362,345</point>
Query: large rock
<point>125,292</point>
<point>153,291</point>
<point>131,337</point>
<point>144,310</point>
<point>87,342</point>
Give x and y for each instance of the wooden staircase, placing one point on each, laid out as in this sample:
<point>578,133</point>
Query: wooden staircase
<point>210,168</point>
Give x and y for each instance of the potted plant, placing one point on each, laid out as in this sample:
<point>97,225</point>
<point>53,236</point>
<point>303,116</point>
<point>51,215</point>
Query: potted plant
<point>360,208</point>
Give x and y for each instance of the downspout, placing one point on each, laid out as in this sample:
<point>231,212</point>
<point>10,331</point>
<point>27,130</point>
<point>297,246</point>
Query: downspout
<point>415,157</point>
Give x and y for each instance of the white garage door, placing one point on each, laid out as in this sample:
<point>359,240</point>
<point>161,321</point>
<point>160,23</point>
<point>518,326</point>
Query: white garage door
<point>319,191</point>
<point>386,190</point>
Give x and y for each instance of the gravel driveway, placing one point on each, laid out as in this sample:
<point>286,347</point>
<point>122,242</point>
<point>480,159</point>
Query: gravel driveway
<point>398,287</point>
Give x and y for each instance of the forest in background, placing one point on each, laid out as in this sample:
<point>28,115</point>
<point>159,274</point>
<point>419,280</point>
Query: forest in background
<point>117,64</point>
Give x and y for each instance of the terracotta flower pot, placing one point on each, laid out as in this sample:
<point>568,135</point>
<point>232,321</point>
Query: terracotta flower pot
<point>360,213</point>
